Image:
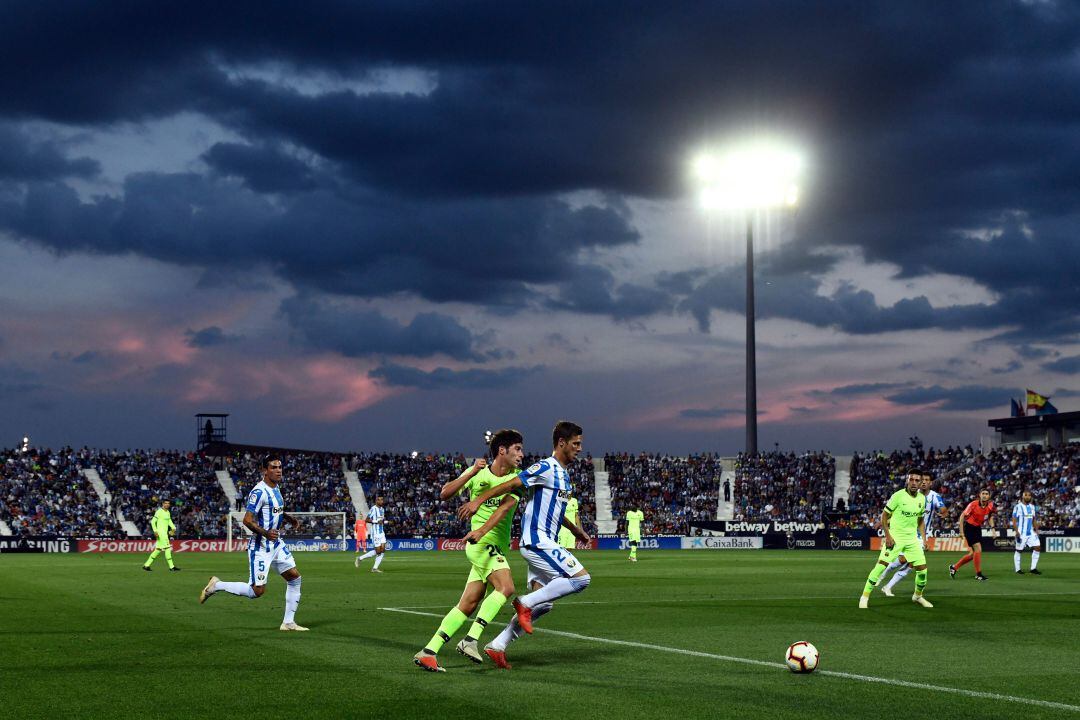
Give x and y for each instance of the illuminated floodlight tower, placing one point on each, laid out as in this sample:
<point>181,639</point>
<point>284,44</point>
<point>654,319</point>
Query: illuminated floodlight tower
<point>747,178</point>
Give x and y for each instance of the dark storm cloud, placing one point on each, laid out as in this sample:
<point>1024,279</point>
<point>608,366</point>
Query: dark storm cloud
<point>23,158</point>
<point>444,378</point>
<point>965,398</point>
<point>358,243</point>
<point>1012,366</point>
<point>356,333</point>
<point>266,169</point>
<point>1067,365</point>
<point>209,337</point>
<point>924,120</point>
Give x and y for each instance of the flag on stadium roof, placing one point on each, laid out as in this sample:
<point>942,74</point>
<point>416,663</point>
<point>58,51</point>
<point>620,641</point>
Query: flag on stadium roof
<point>1015,410</point>
<point>1035,400</point>
<point>1047,409</point>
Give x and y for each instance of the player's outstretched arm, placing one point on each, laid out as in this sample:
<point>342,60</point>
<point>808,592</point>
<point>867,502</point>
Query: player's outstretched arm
<point>577,531</point>
<point>453,487</point>
<point>506,506</point>
<point>469,509</point>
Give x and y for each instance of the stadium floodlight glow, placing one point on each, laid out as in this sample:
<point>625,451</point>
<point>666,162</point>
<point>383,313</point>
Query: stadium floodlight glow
<point>752,176</point>
<point>415,454</point>
<point>749,177</point>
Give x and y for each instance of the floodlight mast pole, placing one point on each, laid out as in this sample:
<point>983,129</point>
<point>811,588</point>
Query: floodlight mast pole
<point>751,342</point>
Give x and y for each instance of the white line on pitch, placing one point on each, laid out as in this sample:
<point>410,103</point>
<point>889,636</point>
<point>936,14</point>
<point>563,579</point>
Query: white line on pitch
<point>782,666</point>
<point>754,599</point>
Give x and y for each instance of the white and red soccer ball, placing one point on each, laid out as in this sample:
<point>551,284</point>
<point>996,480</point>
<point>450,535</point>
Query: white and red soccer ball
<point>802,657</point>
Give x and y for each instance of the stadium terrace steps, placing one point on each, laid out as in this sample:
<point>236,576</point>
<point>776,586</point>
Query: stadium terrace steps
<point>356,492</point>
<point>726,510</point>
<point>94,478</point>
<point>4,529</point>
<point>842,480</point>
<point>605,523</point>
<point>224,478</point>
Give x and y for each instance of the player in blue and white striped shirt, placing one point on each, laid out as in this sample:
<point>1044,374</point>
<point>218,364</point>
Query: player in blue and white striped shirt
<point>935,508</point>
<point>1026,528</point>
<point>266,550</point>
<point>376,518</point>
<point>554,572</point>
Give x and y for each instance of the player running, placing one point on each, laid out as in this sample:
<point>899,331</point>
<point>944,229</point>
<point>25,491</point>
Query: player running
<point>971,520</point>
<point>554,572</point>
<point>485,550</point>
<point>360,533</point>
<point>1026,530</point>
<point>902,521</point>
<point>162,525</point>
<point>377,517</point>
<point>265,511</point>
<point>566,538</point>
<point>634,518</point>
<point>935,507</point>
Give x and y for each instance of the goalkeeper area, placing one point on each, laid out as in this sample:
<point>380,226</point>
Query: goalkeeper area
<point>325,530</point>
<point>680,634</point>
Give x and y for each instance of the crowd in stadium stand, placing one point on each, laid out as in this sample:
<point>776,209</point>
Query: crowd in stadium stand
<point>671,491</point>
<point>1052,475</point>
<point>140,480</point>
<point>784,486</point>
<point>44,493</point>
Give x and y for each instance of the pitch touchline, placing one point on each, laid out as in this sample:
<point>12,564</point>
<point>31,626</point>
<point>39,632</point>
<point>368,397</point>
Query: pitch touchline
<point>765,663</point>
<point>736,599</point>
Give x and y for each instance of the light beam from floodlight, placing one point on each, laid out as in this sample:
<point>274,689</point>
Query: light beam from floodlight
<point>753,176</point>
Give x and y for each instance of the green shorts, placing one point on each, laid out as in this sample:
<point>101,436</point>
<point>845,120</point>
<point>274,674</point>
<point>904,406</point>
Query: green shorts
<point>162,544</point>
<point>635,537</point>
<point>912,551</point>
<point>485,559</point>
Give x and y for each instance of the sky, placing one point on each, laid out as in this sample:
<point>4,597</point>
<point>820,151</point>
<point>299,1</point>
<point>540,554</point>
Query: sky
<point>392,226</point>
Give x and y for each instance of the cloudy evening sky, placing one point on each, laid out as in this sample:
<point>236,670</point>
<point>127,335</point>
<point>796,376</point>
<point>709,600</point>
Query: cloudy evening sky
<point>389,225</point>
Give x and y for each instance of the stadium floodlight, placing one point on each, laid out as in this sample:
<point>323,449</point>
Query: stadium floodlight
<point>415,454</point>
<point>748,177</point>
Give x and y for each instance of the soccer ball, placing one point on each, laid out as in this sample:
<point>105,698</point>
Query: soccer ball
<point>802,657</point>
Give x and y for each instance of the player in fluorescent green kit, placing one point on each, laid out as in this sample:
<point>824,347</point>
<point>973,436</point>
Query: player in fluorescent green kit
<point>163,526</point>
<point>903,524</point>
<point>634,518</point>
<point>566,538</point>
<point>485,553</point>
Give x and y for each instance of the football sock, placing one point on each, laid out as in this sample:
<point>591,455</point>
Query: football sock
<point>963,561</point>
<point>978,562</point>
<point>633,551</point>
<point>235,588</point>
<point>1035,559</point>
<point>900,575</point>
<point>513,631</point>
<point>378,561</point>
<point>150,560</point>
<point>292,599</point>
<point>872,579</point>
<point>368,554</point>
<point>557,588</point>
<point>168,557</point>
<point>1016,560</point>
<point>450,624</point>
<point>920,581</point>
<point>488,610</point>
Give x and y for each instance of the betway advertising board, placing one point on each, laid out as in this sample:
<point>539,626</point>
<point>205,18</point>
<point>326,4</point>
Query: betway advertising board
<point>753,527</point>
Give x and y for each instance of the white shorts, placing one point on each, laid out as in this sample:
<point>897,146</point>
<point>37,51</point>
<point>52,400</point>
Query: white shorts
<point>260,562</point>
<point>376,539</point>
<point>1027,541</point>
<point>549,560</point>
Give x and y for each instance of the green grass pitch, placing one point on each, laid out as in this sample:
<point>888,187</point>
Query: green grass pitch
<point>95,636</point>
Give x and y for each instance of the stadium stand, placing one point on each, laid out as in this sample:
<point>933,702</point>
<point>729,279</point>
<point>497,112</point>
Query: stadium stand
<point>43,492</point>
<point>670,490</point>
<point>784,486</point>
